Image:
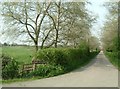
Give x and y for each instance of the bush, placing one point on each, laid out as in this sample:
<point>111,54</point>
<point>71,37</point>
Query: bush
<point>46,71</point>
<point>10,68</point>
<point>68,58</point>
<point>5,60</point>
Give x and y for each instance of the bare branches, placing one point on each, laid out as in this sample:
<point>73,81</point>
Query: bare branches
<point>60,19</point>
<point>26,24</point>
<point>44,14</point>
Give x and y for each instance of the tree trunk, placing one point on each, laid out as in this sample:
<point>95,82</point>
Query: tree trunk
<point>58,24</point>
<point>42,45</point>
<point>56,40</point>
<point>36,46</point>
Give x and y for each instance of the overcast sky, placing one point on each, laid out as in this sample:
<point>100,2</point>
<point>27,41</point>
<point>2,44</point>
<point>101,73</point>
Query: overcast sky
<point>96,7</point>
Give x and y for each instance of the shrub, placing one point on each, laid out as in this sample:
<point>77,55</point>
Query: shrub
<point>5,60</point>
<point>68,58</point>
<point>10,68</point>
<point>46,71</point>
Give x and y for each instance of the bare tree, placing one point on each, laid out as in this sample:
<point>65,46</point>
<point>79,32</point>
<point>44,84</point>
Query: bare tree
<point>27,15</point>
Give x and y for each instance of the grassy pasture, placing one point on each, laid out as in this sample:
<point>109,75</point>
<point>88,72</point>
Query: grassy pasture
<point>22,54</point>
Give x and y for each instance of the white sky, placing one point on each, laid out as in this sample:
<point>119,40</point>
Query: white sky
<point>96,7</point>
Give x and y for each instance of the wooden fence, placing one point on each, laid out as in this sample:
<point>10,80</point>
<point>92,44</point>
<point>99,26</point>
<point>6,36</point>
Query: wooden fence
<point>32,66</point>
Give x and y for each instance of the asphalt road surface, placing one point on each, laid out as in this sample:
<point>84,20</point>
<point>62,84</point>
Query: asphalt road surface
<point>98,73</point>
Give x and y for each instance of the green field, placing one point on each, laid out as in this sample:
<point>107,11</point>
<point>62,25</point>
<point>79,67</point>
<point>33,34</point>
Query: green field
<point>22,54</point>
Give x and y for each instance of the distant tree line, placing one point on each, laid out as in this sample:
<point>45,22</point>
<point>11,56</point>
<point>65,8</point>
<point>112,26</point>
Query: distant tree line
<point>13,44</point>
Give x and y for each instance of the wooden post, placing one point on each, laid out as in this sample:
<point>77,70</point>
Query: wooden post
<point>34,66</point>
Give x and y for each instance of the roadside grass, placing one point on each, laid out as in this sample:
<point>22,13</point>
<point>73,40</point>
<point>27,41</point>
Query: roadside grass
<point>19,80</point>
<point>22,54</point>
<point>114,58</point>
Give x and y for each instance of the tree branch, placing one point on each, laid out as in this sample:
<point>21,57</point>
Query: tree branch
<point>44,14</point>
<point>27,23</point>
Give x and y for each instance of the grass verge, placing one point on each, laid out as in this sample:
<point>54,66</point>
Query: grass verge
<point>113,58</point>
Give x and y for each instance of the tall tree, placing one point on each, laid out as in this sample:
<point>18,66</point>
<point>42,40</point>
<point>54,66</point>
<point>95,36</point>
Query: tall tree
<point>110,30</point>
<point>70,20</point>
<point>28,16</point>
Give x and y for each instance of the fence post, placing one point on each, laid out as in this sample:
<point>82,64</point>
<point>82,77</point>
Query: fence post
<point>34,66</point>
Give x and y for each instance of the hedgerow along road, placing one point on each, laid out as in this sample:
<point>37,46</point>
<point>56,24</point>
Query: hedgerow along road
<point>98,73</point>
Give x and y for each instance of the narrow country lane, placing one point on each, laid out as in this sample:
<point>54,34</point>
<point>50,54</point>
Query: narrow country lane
<point>98,73</point>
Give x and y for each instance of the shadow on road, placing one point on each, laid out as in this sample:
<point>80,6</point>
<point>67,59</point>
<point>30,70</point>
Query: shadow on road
<point>87,66</point>
<point>100,61</point>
